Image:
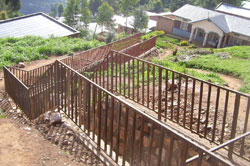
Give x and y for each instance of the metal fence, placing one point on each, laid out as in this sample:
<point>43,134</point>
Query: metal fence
<point>120,130</point>
<point>86,58</point>
<point>127,134</point>
<point>213,112</point>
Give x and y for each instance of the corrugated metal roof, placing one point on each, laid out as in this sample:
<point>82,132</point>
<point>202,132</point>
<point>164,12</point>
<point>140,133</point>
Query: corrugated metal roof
<point>38,24</point>
<point>230,9</point>
<point>225,22</point>
<point>246,4</point>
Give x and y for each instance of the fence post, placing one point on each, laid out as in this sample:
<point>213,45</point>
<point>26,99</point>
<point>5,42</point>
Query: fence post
<point>234,124</point>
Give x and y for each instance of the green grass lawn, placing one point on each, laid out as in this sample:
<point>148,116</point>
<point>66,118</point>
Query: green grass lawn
<point>14,50</point>
<point>238,65</point>
<point>163,41</point>
<point>183,69</point>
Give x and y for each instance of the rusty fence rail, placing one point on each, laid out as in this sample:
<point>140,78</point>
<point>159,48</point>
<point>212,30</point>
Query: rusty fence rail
<point>31,76</point>
<point>18,91</point>
<point>124,133</point>
<point>88,57</point>
<point>213,112</point>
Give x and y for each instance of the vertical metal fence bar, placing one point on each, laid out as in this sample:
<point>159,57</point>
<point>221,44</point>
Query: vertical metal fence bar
<point>216,113</point>
<point>200,107</point>
<point>224,117</point>
<point>245,127</point>
<point>208,110</point>
<point>234,124</point>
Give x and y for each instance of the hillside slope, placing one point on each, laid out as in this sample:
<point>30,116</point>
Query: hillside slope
<point>34,6</point>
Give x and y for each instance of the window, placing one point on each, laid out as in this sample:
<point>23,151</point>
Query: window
<point>184,26</point>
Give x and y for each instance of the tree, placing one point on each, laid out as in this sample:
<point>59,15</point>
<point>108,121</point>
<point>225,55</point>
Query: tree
<point>71,12</point>
<point>140,21</point>
<point>114,4</point>
<point>85,13</point>
<point>143,2</point>
<point>104,15</point>
<point>157,7</point>
<point>127,7</point>
<point>53,10</point>
<point>60,10</point>
<point>10,8</point>
<point>94,5</point>
<point>15,4</point>
<point>3,15</point>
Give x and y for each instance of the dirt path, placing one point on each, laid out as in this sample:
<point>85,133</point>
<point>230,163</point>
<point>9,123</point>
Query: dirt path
<point>21,145</point>
<point>232,82</point>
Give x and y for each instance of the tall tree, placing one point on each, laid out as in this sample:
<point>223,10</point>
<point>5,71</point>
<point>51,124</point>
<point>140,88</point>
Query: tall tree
<point>104,15</point>
<point>60,10</point>
<point>15,4</point>
<point>94,5</point>
<point>85,13</point>
<point>140,21</point>
<point>157,7</point>
<point>114,4</point>
<point>10,8</point>
<point>127,7</point>
<point>70,13</point>
<point>53,10</point>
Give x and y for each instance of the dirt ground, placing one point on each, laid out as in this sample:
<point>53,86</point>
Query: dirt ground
<point>21,145</point>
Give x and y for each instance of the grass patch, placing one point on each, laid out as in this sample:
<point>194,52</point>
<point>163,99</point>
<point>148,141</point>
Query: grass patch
<point>214,78</point>
<point>1,115</point>
<point>237,65</point>
<point>14,50</point>
<point>163,41</point>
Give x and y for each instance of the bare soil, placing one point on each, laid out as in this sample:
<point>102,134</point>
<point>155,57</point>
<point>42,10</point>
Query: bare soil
<point>22,145</point>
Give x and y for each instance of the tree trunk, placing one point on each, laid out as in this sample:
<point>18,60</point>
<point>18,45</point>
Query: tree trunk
<point>94,32</point>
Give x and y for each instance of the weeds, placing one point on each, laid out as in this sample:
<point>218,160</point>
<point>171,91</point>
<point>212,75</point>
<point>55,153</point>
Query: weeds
<point>14,50</point>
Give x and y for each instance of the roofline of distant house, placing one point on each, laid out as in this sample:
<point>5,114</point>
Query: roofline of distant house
<point>232,14</point>
<point>75,32</point>
<point>223,3</point>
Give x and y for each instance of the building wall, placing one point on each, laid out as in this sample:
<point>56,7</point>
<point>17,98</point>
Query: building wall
<point>181,33</point>
<point>208,26</point>
<point>155,18</point>
<point>165,24</point>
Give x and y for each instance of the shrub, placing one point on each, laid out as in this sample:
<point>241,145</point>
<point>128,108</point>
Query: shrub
<point>184,43</point>
<point>152,34</point>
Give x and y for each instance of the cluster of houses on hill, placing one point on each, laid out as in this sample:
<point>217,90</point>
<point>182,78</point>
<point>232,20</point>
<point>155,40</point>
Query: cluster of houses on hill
<point>227,25</point>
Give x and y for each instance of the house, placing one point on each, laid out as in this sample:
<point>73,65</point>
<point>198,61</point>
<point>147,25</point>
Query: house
<point>120,24</point>
<point>246,4</point>
<point>233,10</point>
<point>38,24</point>
<point>155,16</point>
<point>208,27</point>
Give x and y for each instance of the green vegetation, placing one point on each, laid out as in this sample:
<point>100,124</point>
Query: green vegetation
<point>237,65</point>
<point>183,69</point>
<point>14,50</point>
<point>1,114</point>
<point>163,41</point>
